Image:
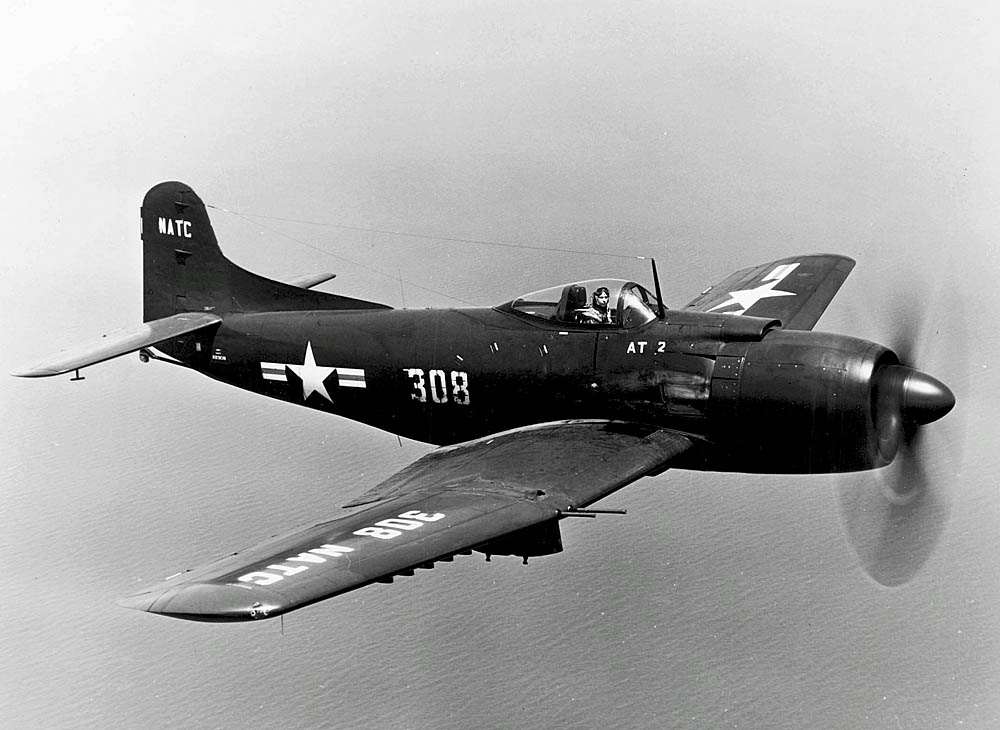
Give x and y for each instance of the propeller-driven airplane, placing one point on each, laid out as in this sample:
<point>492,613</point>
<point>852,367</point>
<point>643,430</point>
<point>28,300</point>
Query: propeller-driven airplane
<point>540,406</point>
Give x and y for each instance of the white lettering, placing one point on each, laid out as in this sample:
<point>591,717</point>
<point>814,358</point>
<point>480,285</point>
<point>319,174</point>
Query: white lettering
<point>400,524</point>
<point>306,558</point>
<point>416,375</point>
<point>642,346</point>
<point>460,387</point>
<point>288,569</point>
<point>422,516</point>
<point>631,349</point>
<point>380,532</point>
<point>263,578</point>
<point>260,578</point>
<point>183,227</point>
<point>334,551</point>
<point>439,391</point>
<point>438,386</point>
<point>390,527</point>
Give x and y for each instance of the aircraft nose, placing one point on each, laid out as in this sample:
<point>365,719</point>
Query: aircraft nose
<point>925,398</point>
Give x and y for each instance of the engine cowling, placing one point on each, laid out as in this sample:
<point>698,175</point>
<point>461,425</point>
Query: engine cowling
<point>813,402</point>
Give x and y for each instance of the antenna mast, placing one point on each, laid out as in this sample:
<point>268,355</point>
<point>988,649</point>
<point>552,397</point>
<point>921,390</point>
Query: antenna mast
<point>659,295</point>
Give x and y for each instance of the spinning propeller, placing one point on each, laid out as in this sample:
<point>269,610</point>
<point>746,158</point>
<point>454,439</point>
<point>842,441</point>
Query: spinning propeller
<point>894,520</point>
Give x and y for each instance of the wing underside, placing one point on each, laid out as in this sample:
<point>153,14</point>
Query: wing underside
<point>451,501</point>
<point>795,290</point>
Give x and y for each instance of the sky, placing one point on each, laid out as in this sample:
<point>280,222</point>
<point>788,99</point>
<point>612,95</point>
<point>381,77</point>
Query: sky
<point>711,135</point>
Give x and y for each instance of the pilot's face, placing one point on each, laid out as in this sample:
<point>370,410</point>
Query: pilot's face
<point>601,299</point>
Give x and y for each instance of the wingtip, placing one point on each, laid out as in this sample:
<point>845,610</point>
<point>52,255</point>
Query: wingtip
<point>33,371</point>
<point>206,602</point>
<point>137,602</point>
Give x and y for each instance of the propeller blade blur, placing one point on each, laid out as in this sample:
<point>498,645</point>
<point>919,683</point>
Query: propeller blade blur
<point>894,517</point>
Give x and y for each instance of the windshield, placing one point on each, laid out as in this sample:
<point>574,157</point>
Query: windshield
<point>597,302</point>
<point>636,306</point>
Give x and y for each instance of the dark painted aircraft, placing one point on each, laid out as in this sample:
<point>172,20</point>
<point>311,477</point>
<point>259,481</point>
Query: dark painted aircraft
<point>541,406</point>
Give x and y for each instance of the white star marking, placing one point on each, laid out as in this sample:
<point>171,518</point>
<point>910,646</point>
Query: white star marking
<point>312,375</point>
<point>746,298</point>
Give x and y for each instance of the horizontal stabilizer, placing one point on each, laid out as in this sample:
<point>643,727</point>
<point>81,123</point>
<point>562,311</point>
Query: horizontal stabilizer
<point>120,342</point>
<point>308,281</point>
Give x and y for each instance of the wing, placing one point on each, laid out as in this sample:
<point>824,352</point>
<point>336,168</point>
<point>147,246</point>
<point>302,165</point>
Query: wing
<point>795,290</point>
<point>487,494</point>
<point>118,343</point>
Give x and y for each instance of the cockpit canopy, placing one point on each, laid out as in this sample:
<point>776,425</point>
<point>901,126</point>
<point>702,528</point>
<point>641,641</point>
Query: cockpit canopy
<point>582,303</point>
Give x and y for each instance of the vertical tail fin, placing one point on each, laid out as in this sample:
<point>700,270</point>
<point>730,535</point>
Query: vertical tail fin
<point>184,269</point>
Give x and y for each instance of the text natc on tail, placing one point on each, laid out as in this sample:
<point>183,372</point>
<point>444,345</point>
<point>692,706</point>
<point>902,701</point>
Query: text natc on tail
<point>175,227</point>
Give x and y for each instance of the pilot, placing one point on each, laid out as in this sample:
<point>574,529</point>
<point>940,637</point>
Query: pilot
<point>598,312</point>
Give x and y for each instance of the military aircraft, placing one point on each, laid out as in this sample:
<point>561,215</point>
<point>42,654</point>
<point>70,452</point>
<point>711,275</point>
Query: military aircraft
<point>540,406</point>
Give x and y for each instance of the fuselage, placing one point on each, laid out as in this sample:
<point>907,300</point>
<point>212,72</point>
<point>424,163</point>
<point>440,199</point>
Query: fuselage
<point>756,398</point>
<point>761,394</point>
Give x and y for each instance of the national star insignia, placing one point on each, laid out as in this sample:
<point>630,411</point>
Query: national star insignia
<point>746,298</point>
<point>312,375</point>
